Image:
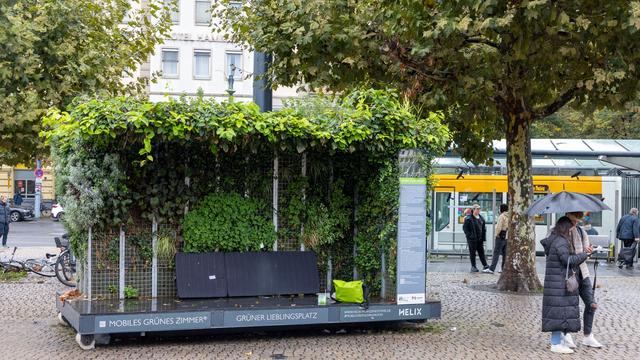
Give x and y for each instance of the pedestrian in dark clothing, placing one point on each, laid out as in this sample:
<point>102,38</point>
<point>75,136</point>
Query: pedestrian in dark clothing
<point>581,244</point>
<point>5,219</point>
<point>475,230</point>
<point>588,228</point>
<point>500,247</point>
<point>560,309</point>
<point>17,199</point>
<point>628,231</point>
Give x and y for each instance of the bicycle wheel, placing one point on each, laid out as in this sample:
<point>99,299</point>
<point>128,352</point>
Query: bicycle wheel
<point>40,267</point>
<point>65,269</point>
<point>12,266</point>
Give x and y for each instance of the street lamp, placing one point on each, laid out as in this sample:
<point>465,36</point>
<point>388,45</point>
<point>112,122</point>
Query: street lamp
<point>230,81</point>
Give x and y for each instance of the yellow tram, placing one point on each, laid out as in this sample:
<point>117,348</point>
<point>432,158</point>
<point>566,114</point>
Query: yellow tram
<point>452,194</point>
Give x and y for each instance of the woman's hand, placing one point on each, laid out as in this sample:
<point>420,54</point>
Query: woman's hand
<point>589,249</point>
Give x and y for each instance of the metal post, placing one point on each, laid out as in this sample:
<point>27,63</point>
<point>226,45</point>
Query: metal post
<point>304,197</point>
<point>187,183</point>
<point>38,190</point>
<point>89,271</point>
<point>154,261</point>
<point>329,273</point>
<point>616,216</point>
<point>383,277</point>
<point>262,94</point>
<point>355,229</point>
<point>275,198</point>
<point>121,265</point>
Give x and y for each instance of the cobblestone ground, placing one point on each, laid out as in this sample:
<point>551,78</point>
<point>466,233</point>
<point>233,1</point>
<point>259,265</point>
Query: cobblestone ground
<point>476,324</point>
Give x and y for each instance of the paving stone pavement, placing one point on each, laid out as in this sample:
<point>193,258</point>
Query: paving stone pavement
<point>476,324</point>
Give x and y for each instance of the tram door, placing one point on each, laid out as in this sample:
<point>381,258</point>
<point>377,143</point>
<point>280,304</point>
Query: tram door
<point>445,229</point>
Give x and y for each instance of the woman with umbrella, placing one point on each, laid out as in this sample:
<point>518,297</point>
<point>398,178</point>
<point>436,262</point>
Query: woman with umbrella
<point>560,308</point>
<point>573,205</point>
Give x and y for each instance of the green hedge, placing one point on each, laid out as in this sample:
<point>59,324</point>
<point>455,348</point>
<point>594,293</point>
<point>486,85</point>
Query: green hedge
<point>227,222</point>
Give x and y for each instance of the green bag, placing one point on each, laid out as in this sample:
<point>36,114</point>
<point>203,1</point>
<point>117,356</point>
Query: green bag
<point>348,291</point>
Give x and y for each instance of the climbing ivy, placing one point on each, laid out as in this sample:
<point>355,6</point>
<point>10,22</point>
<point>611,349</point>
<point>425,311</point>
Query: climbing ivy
<point>205,168</point>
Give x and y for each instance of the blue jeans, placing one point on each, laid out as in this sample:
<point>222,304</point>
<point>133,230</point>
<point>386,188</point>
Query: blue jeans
<point>4,232</point>
<point>556,337</point>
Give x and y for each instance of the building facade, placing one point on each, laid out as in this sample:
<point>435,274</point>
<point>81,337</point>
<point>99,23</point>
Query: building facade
<point>21,179</point>
<point>196,59</point>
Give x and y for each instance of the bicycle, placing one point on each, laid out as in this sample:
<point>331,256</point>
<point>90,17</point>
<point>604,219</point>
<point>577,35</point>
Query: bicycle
<point>12,265</point>
<point>45,267</point>
<point>65,268</point>
<point>65,265</point>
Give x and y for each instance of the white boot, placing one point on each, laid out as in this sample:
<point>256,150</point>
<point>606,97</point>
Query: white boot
<point>561,349</point>
<point>591,341</point>
<point>568,341</point>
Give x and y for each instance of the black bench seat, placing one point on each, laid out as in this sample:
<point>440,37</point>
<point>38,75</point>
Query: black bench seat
<point>238,274</point>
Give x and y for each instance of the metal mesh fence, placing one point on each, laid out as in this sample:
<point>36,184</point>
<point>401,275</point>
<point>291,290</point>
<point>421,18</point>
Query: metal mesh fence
<point>105,257</point>
<point>138,259</point>
<point>105,274</point>
<point>166,267</point>
<point>389,276</point>
<point>289,170</point>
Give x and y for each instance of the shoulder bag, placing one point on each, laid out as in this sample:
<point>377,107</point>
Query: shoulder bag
<point>571,281</point>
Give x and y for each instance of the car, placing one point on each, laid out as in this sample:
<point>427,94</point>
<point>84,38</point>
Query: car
<point>19,214</point>
<point>57,211</point>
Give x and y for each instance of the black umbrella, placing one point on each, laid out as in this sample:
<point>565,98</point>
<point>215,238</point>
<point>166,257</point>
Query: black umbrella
<point>564,202</point>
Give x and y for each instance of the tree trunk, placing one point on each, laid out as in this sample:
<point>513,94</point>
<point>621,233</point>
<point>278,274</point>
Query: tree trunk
<point>519,272</point>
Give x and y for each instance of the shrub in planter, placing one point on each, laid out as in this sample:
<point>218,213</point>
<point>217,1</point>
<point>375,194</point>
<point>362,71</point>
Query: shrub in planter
<point>227,222</point>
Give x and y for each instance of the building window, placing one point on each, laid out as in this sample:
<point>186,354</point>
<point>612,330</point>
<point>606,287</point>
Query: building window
<point>170,63</point>
<point>202,64</point>
<point>235,4</point>
<point>234,65</point>
<point>174,8</point>
<point>203,12</point>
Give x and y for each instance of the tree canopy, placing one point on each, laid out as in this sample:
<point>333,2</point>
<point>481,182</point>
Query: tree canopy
<point>601,124</point>
<point>55,50</point>
<point>495,66</point>
<point>474,58</point>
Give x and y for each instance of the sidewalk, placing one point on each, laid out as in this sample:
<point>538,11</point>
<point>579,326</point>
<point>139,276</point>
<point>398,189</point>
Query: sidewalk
<point>455,265</point>
<point>28,252</point>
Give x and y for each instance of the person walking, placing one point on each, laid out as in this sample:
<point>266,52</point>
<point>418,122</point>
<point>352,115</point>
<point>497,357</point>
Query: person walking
<point>628,231</point>
<point>560,309</point>
<point>475,230</point>
<point>500,247</point>
<point>580,241</point>
<point>17,199</point>
<point>5,219</point>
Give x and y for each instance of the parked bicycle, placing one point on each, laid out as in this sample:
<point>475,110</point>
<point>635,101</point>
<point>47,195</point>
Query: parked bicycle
<point>12,265</point>
<point>62,266</point>
<point>65,267</point>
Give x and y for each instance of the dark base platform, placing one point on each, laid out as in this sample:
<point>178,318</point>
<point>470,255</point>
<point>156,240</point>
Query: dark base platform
<point>97,317</point>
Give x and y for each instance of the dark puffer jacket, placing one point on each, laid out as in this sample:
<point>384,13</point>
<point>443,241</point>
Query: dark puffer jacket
<point>560,310</point>
<point>5,211</point>
<point>475,229</point>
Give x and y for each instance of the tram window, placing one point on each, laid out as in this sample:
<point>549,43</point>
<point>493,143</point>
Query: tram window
<point>443,217</point>
<point>540,219</point>
<point>593,218</point>
<point>485,200</point>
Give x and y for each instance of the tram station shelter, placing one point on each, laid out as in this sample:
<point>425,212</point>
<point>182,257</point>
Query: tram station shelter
<point>607,168</point>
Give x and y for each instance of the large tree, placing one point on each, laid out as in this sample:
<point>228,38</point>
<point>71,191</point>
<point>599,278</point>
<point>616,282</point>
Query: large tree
<point>496,66</point>
<point>601,124</point>
<point>53,51</point>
